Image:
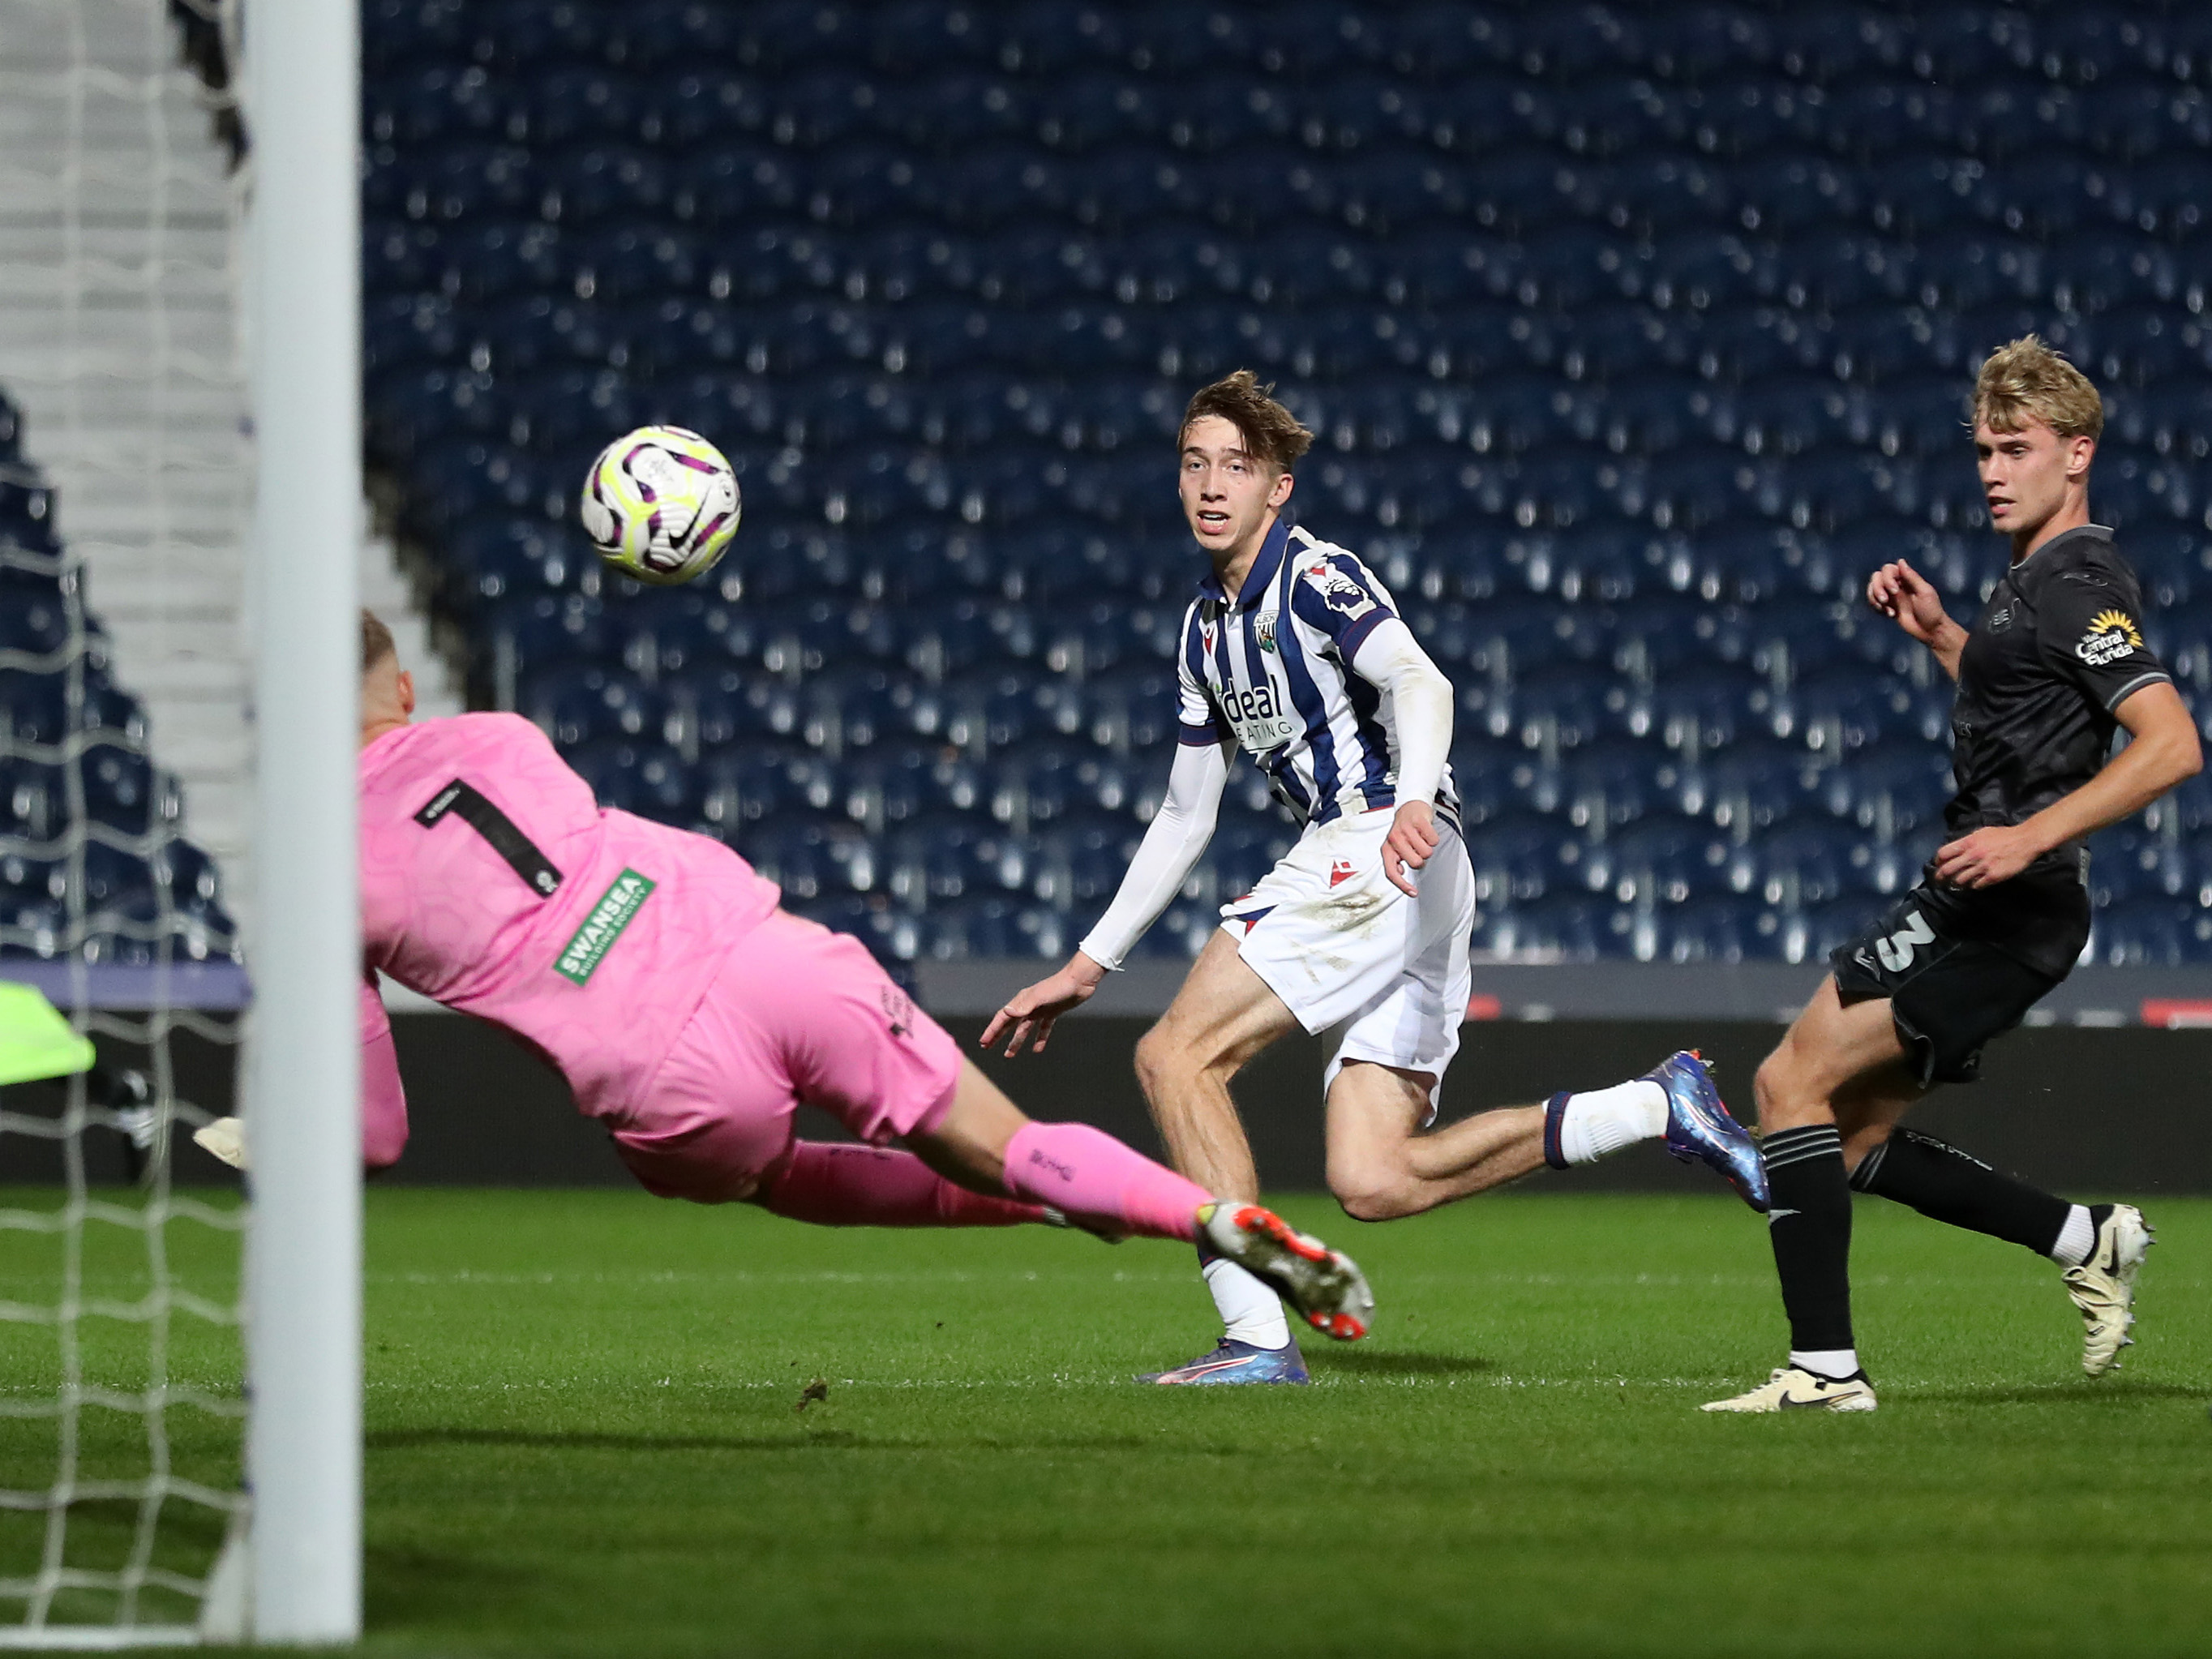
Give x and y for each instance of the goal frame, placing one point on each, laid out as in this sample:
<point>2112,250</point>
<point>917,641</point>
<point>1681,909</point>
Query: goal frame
<point>304,1246</point>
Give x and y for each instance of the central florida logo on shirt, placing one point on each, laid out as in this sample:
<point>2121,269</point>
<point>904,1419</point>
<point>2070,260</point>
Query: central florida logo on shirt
<point>2112,634</point>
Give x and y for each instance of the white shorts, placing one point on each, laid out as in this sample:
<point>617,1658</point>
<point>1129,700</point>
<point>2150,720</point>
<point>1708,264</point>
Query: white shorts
<point>1385,977</point>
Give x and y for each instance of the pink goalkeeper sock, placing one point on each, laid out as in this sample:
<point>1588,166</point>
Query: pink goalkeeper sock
<point>1088,1173</point>
<point>833,1185</point>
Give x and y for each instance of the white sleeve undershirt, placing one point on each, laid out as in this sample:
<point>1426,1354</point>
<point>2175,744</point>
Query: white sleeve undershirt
<point>1171,847</point>
<point>1421,697</point>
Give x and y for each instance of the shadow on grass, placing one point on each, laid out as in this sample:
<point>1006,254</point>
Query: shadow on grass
<point>1385,1362</point>
<point>406,1588</point>
<point>799,1437</point>
<point>2118,1392</point>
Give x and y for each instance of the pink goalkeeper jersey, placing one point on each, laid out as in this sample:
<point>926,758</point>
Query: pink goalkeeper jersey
<point>493,882</point>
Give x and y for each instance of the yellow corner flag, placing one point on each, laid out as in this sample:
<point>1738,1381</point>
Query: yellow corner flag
<point>35,1041</point>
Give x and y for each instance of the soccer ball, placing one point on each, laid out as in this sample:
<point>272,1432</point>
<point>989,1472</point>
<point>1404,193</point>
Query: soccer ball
<point>661,505</point>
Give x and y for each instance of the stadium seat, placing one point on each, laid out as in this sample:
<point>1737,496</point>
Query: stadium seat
<point>1245,846</point>
<point>1130,710</point>
<point>856,706</point>
<point>944,857</point>
<point>27,514</point>
<point>583,702</point>
<point>1835,715</point>
<point>187,884</point>
<point>1747,789</point>
<point>1892,793</point>
<point>1602,788</point>
<point>33,800</point>
<point>522,635</point>
<point>1730,565</point>
<point>1661,860</point>
<point>2152,933</point>
<point>37,709</point>
<point>1567,928</point>
<point>1633,343</point>
<point>1716,931</point>
<point>124,791</point>
<point>1784,640</point>
<point>1807,864</point>
<point>811,857</point>
<point>32,909</point>
<point>1698,709</point>
<point>646,778</point>
<point>1080,859</point>
<point>1517,860</point>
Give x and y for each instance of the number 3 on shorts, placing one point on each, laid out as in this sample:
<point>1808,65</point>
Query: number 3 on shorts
<point>1896,951</point>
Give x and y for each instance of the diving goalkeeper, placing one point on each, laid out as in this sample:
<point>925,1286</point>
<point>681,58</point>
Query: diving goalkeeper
<point>691,1015</point>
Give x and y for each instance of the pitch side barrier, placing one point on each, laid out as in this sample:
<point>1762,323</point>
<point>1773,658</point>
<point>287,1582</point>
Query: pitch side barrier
<point>2102,1096</point>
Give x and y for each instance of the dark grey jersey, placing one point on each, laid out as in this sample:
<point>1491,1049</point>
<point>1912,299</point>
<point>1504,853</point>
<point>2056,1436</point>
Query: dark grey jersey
<point>2056,650</point>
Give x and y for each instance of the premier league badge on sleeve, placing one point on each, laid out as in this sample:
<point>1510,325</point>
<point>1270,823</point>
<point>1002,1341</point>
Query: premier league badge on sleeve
<point>1339,591</point>
<point>2112,634</point>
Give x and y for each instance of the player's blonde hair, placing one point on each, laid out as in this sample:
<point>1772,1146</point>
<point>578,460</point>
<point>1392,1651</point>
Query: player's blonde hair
<point>2025,381</point>
<point>1271,433</point>
<point>376,641</point>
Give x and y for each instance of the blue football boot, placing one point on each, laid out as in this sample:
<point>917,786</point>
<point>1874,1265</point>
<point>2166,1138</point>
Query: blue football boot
<point>1699,1129</point>
<point>1237,1362</point>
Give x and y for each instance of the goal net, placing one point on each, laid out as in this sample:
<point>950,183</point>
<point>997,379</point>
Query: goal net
<point>125,485</point>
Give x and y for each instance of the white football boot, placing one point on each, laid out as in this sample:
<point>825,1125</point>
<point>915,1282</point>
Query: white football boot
<point>1326,1287</point>
<point>2104,1288</point>
<point>1793,1388</point>
<point>225,1139</point>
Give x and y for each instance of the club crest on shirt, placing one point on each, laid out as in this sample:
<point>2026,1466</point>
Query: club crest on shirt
<point>2000,620</point>
<point>1263,629</point>
<point>1340,591</point>
<point>2112,634</point>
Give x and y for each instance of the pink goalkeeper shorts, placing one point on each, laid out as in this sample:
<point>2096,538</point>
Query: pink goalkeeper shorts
<point>798,1015</point>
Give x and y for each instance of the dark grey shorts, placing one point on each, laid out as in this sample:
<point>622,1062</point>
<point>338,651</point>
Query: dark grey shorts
<point>1948,995</point>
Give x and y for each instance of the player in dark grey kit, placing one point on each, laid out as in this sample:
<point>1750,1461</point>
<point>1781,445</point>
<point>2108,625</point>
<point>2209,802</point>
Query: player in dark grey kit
<point>2053,669</point>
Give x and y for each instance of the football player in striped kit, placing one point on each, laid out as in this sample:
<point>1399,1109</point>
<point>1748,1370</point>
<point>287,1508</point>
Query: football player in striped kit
<point>1294,651</point>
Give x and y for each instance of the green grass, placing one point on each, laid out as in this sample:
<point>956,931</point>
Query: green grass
<point>583,1438</point>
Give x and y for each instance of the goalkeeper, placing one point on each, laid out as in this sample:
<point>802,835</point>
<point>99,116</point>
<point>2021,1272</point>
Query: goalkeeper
<point>691,1015</point>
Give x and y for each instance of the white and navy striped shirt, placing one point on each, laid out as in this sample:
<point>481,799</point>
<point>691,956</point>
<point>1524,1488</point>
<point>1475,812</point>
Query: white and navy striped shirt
<point>1275,668</point>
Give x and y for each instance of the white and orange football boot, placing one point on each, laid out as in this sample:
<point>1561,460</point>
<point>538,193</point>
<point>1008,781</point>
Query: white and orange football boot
<point>1326,1287</point>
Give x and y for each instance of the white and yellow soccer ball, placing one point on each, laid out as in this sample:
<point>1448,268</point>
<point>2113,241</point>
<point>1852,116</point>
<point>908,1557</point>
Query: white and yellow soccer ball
<point>661,505</point>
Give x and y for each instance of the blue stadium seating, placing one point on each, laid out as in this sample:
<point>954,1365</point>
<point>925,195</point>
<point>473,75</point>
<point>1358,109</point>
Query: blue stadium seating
<point>92,862</point>
<point>1632,338</point>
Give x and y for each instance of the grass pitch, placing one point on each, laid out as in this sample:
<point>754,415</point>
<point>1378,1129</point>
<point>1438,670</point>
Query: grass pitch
<point>586,1435</point>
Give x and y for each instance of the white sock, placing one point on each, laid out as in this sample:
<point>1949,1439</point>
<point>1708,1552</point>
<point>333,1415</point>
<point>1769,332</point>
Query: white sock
<point>1834,1364</point>
<point>1250,1312</point>
<point>2075,1239</point>
<point>1606,1119</point>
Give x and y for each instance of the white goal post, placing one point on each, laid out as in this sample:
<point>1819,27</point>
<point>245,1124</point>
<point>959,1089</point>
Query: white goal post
<point>303,1267</point>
